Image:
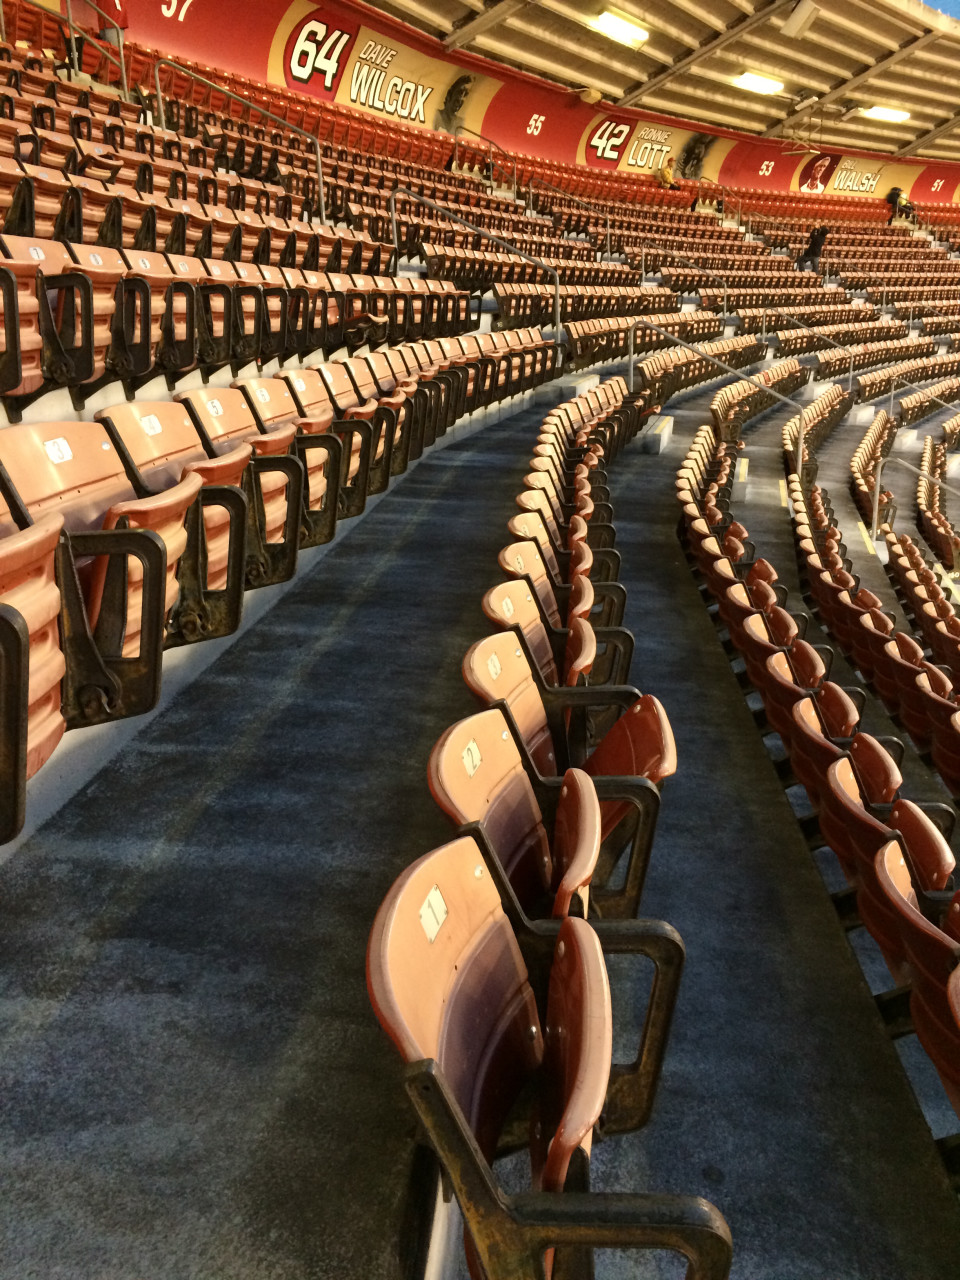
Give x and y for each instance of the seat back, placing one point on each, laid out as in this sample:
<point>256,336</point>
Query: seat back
<point>496,668</point>
<point>929,856</point>
<point>65,468</point>
<point>476,774</point>
<point>511,606</point>
<point>159,437</point>
<point>851,830</point>
<point>523,560</point>
<point>932,956</point>
<point>270,397</point>
<point>448,983</point>
<point>309,390</point>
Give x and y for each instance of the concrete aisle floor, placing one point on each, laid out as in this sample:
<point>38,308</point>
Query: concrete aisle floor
<point>194,1086</point>
<point>782,1099</point>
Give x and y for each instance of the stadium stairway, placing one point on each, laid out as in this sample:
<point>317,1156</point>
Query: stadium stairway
<point>194,1085</point>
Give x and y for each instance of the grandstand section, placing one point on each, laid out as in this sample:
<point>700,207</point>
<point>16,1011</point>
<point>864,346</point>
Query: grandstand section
<point>479,649</point>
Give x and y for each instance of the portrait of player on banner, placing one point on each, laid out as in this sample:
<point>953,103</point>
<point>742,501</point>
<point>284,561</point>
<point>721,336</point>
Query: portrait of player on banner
<point>447,116</point>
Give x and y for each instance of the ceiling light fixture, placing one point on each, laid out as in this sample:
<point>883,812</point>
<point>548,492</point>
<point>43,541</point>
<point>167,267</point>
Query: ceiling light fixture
<point>800,20</point>
<point>890,114</point>
<point>619,27</point>
<point>758,84</point>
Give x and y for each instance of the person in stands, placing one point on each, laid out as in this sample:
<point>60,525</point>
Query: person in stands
<point>665,174</point>
<point>814,249</point>
<point>899,203</point>
<point>117,9</point>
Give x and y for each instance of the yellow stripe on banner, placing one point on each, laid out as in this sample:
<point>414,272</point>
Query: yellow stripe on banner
<point>784,500</point>
<point>866,537</point>
<point>744,463</point>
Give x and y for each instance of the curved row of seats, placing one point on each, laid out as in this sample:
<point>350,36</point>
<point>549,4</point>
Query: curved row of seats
<point>527,304</point>
<point>141,530</point>
<point>915,690</point>
<point>797,341</point>
<point>893,851</point>
<point>932,521</point>
<point>755,319</point>
<point>874,446</point>
<point>486,963</point>
<point>589,341</point>
<point>738,402</point>
<point>817,420</point>
<point>866,355</point>
<point>872,385</point>
<point>921,404</point>
<point>666,373</point>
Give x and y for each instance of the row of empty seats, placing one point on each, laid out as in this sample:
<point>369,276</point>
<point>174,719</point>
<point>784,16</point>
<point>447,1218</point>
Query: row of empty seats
<point>893,851</point>
<point>509,1044</point>
<point>141,530</point>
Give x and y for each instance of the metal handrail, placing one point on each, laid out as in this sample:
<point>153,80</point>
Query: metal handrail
<point>120,41</point>
<point>462,128</point>
<point>875,527</point>
<point>652,244</point>
<point>447,213</point>
<point>902,382</point>
<point>726,190</point>
<point>290,128</point>
<point>587,204</point>
<point>727,368</point>
<point>810,328</point>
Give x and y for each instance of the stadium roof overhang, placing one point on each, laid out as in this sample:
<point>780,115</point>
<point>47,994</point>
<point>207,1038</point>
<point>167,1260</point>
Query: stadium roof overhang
<point>833,58</point>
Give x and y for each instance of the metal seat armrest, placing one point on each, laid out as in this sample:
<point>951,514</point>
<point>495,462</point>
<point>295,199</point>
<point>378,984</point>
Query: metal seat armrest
<point>685,1224</point>
<point>619,644</point>
<point>523,1227</point>
<point>893,746</point>
<point>827,655</point>
<point>14,702</point>
<point>943,816</point>
<point>857,695</point>
<point>99,687</point>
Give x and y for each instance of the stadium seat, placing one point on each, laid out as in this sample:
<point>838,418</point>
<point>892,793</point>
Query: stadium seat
<point>464,1017</point>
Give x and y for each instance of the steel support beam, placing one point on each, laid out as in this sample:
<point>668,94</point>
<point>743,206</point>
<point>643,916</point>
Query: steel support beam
<point>719,41</point>
<point>911,148</point>
<point>854,82</point>
<point>491,16</point>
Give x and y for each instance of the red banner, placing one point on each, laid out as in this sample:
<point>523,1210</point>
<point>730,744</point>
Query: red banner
<point>348,53</point>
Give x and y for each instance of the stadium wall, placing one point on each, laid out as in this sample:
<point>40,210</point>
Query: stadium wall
<point>352,55</point>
